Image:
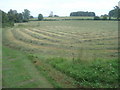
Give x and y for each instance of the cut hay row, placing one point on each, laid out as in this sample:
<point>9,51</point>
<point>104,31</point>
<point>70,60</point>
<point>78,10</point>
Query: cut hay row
<point>23,32</point>
<point>65,37</point>
<point>46,39</point>
<point>26,38</point>
<point>58,33</point>
<point>62,30</point>
<point>18,44</point>
<point>43,43</point>
<point>77,46</point>
<point>47,32</point>
<point>82,37</point>
<point>41,36</point>
<point>62,38</point>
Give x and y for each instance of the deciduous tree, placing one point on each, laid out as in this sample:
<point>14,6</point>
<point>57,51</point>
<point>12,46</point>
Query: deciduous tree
<point>40,17</point>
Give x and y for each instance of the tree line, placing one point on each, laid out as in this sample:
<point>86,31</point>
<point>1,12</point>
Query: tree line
<point>115,13</point>
<point>82,13</point>
<point>8,19</point>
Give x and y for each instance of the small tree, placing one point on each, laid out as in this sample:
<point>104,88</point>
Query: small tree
<point>56,16</point>
<point>31,17</point>
<point>40,17</point>
<point>26,15</point>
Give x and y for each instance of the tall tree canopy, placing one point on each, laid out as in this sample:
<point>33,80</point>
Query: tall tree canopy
<point>12,15</point>
<point>26,15</point>
<point>115,12</point>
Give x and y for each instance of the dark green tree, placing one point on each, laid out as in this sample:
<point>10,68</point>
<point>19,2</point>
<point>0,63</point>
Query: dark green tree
<point>56,16</point>
<point>115,13</point>
<point>31,17</point>
<point>14,16</point>
<point>40,17</point>
<point>5,20</point>
<point>18,18</point>
<point>11,15</point>
<point>82,13</point>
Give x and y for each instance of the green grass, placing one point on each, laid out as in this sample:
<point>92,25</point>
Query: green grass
<point>58,79</point>
<point>69,18</point>
<point>97,73</point>
<point>92,45</point>
<point>19,72</point>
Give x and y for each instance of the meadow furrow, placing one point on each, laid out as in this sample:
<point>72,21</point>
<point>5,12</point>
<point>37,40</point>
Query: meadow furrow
<point>53,36</point>
<point>57,33</point>
<point>80,35</point>
<point>81,38</point>
<point>77,47</point>
<point>79,52</point>
<point>59,45</point>
<point>65,39</point>
<point>46,32</point>
<point>27,38</point>
<point>44,36</point>
<point>18,44</point>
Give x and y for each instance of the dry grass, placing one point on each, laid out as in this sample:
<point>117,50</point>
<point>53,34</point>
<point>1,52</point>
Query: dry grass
<point>66,37</point>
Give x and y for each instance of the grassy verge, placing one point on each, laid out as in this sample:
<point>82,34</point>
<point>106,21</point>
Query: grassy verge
<point>23,70</point>
<point>97,73</point>
<point>19,72</point>
<point>58,79</point>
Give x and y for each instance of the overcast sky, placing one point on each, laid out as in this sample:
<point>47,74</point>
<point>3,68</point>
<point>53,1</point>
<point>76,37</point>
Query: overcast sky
<point>59,7</point>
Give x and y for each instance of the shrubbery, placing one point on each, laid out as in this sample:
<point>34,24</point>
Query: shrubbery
<point>104,18</point>
<point>96,18</point>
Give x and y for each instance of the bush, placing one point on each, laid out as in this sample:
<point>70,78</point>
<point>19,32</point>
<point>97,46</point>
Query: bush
<point>104,18</point>
<point>96,18</point>
<point>25,20</point>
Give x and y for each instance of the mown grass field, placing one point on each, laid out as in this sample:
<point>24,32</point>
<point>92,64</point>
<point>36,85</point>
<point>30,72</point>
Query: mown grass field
<point>61,53</point>
<point>69,18</point>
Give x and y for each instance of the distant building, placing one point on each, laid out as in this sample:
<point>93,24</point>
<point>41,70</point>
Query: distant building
<point>51,14</point>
